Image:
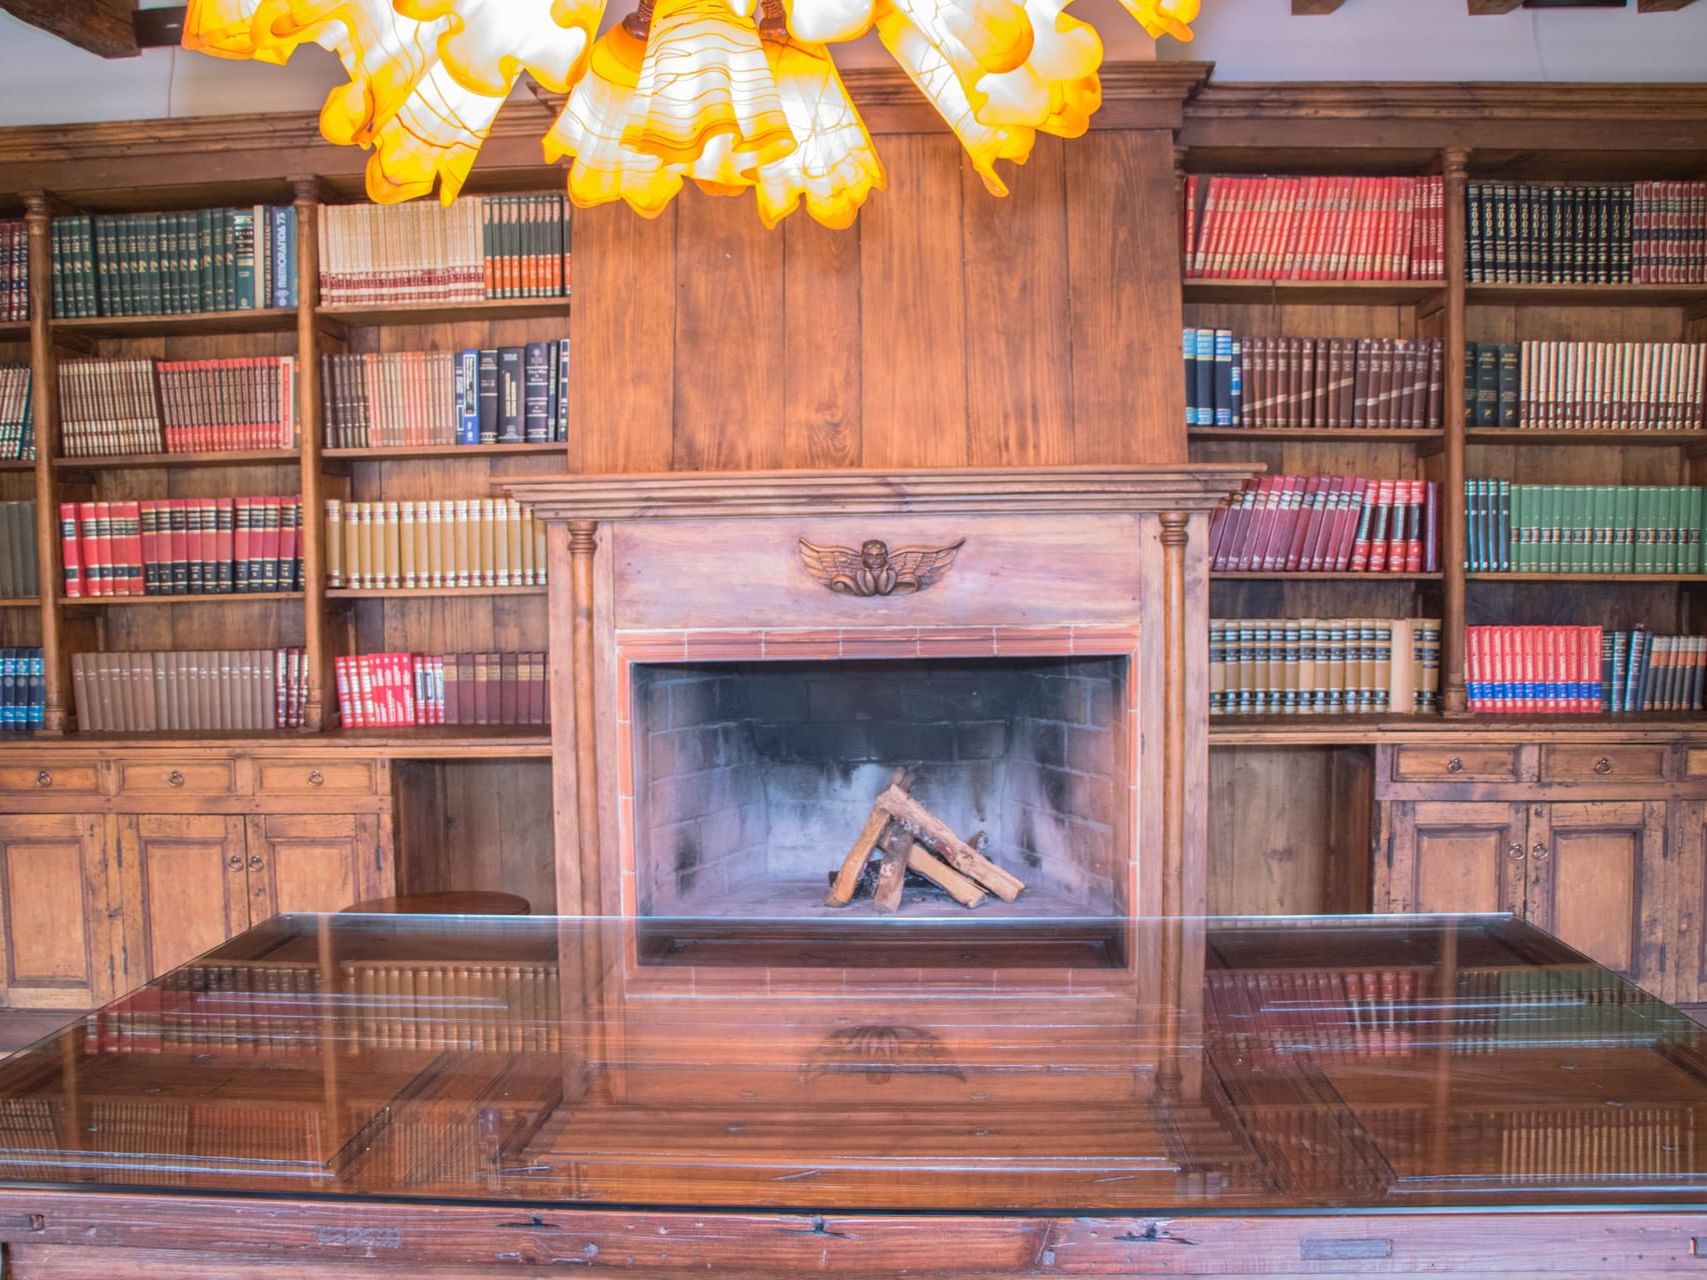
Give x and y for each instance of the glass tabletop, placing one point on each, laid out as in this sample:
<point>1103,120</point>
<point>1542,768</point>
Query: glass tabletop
<point>1062,1065</point>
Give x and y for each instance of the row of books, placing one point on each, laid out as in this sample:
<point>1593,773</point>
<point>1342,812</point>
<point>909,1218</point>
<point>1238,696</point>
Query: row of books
<point>1586,233</point>
<point>1581,670</point>
<point>1642,671</point>
<point>181,546</point>
<point>177,406</point>
<point>480,247</point>
<point>433,543</point>
<point>183,263</point>
<point>19,576</point>
<point>1583,528</point>
<point>208,691</point>
<point>1585,386</point>
<point>496,395</point>
<point>1315,228</point>
<point>482,1006</point>
<point>1270,1017</point>
<point>23,689</point>
<point>1290,383</point>
<point>14,271</point>
<point>1323,666</point>
<point>17,413</point>
<point>393,690</point>
<point>1328,524</point>
<point>243,1010</point>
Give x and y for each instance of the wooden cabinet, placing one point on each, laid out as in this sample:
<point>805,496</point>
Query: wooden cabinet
<point>1452,857</point>
<point>183,887</point>
<point>319,862</point>
<point>56,948</point>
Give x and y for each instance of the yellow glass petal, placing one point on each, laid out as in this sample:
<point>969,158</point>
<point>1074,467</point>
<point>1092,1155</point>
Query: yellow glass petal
<point>589,130</point>
<point>1056,90</point>
<point>1164,17</point>
<point>244,28</point>
<point>704,77</point>
<point>829,21</point>
<point>489,43</point>
<point>835,167</point>
<point>935,77</point>
<point>977,38</point>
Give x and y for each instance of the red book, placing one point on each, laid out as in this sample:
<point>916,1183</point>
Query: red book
<point>225,543</point>
<point>1246,552</point>
<point>130,548</point>
<point>1420,506</point>
<point>1308,506</point>
<point>509,689</point>
<point>1376,544</point>
<point>179,540</point>
<point>71,550</point>
<point>1358,560</point>
<point>289,532</point>
<point>195,556</point>
<point>268,549</point>
<point>243,544</point>
<point>96,547</point>
<point>1288,499</point>
<point>1321,521</point>
<point>1223,528</point>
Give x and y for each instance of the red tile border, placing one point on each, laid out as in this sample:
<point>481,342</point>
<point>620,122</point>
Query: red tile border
<point>1034,642</point>
<point>1116,642</point>
<point>880,642</point>
<point>652,646</point>
<point>957,642</point>
<point>724,646</point>
<point>806,643</point>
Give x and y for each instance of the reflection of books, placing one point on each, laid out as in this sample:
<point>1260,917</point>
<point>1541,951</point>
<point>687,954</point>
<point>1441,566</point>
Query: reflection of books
<point>504,1008</point>
<point>1272,1016</point>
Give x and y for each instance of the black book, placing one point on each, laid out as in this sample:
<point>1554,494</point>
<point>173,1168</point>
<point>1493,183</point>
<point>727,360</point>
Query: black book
<point>562,431</point>
<point>1505,412</point>
<point>510,386</point>
<point>536,392</point>
<point>488,396</point>
<point>1487,384</point>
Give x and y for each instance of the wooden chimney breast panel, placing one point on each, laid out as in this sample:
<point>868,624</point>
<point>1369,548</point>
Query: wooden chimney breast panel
<point>1020,571</point>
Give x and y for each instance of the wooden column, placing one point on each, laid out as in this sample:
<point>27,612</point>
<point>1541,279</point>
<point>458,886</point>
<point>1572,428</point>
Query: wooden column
<point>44,366</point>
<point>583,541</point>
<point>1173,538</point>
<point>308,414</point>
<point>1455,161</point>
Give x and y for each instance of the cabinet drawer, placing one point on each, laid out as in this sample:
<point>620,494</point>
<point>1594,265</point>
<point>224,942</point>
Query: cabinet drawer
<point>1455,764</point>
<point>1589,763</point>
<point>48,779</point>
<point>161,775</point>
<point>308,778</point>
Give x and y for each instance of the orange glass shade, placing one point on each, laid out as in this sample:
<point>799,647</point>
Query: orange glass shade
<point>692,91</point>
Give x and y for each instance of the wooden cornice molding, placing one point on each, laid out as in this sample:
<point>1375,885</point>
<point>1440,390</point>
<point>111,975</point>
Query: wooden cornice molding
<point>726,495</point>
<point>103,27</point>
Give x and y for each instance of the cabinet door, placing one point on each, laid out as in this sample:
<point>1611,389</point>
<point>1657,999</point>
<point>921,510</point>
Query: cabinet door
<point>183,886</point>
<point>1687,849</point>
<point>315,862</point>
<point>55,940</point>
<point>1597,881</point>
<point>1443,856</point>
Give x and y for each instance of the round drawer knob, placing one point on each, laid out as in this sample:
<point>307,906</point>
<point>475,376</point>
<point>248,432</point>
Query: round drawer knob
<point>315,778</point>
<point>1455,765</point>
<point>1538,851</point>
<point>1514,851</point>
<point>1603,765</point>
<point>44,778</point>
<point>175,779</point>
<point>254,862</point>
<point>235,862</point>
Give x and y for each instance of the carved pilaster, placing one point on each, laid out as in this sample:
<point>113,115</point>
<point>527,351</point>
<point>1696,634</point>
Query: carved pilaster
<point>583,542</point>
<point>44,363</point>
<point>1454,166</point>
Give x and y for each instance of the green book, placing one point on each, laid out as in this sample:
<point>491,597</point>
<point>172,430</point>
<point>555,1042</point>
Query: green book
<point>1626,559</point>
<point>1475,528</point>
<point>107,262</point>
<point>1696,498</point>
<point>1502,525</point>
<point>184,280</point>
<point>1519,528</point>
<point>153,290</point>
<point>1554,537</point>
<point>1487,384</point>
<point>1509,380</point>
<point>130,268</point>
<point>1674,528</point>
<point>171,266</point>
<point>1644,558</point>
<point>243,256</point>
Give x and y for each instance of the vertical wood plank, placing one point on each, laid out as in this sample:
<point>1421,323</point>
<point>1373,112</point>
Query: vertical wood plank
<point>728,337</point>
<point>1019,408</point>
<point>822,328</point>
<point>1128,405</point>
<point>913,339</point>
<point>622,333</point>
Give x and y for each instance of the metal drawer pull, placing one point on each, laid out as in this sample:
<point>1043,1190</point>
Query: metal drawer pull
<point>315,777</point>
<point>1514,851</point>
<point>1455,765</point>
<point>44,778</point>
<point>1539,852</point>
<point>1603,765</point>
<point>255,862</point>
<point>235,862</point>
<point>175,779</point>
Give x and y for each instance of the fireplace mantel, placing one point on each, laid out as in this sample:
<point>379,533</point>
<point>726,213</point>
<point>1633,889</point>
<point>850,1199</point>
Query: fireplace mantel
<point>966,565</point>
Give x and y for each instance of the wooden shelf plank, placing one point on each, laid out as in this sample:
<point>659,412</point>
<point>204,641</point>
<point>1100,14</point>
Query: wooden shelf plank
<point>1354,293</point>
<point>15,331</point>
<point>427,593</point>
<point>1277,730</point>
<point>1586,577</point>
<point>383,452</point>
<point>434,742</point>
<point>20,602</point>
<point>1535,436</point>
<point>17,464</point>
<point>1432,434</point>
<point>235,597</point>
<point>1257,575</point>
<point>210,458</point>
<point>446,312</point>
<point>268,320</point>
<point>1584,295</point>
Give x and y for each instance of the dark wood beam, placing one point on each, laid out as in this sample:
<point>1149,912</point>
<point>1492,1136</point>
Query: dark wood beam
<point>1480,7</point>
<point>1662,6</point>
<point>104,27</point>
<point>1314,8</point>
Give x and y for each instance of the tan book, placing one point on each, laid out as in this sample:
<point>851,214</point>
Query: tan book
<point>1402,681</point>
<point>501,521</point>
<point>1309,694</point>
<point>406,546</point>
<point>434,527</point>
<point>356,545</point>
<point>540,558</point>
<point>462,551</point>
<point>515,530</point>
<point>142,685</point>
<point>423,562</point>
<point>266,689</point>
<point>1383,656</point>
<point>486,563</point>
<point>334,542</point>
<point>391,523</point>
<point>80,694</point>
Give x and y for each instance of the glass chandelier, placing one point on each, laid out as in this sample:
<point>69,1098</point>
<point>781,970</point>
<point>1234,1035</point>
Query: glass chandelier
<point>731,95</point>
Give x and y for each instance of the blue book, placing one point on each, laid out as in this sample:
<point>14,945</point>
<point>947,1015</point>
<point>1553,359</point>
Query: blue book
<point>1236,385</point>
<point>1223,377</point>
<point>8,689</point>
<point>468,397</point>
<point>562,431</point>
<point>278,238</point>
<point>292,261</point>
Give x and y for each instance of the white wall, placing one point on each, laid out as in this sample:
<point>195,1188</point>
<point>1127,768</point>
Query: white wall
<point>43,81</point>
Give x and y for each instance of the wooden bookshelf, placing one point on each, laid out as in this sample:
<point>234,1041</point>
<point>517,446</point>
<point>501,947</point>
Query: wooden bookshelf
<point>17,464</point>
<point>214,598</point>
<point>1585,295</point>
<point>1350,293</point>
<point>200,324</point>
<point>1605,579</point>
<point>429,593</point>
<point>1525,437</point>
<point>211,458</point>
<point>1365,435</point>
<point>402,451</point>
<point>437,313</point>
<point>21,602</point>
<point>1278,575</point>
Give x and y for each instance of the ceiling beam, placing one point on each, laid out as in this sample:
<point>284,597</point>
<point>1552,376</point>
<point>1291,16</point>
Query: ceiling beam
<point>1662,6</point>
<point>104,27</point>
<point>1480,8</point>
<point>1314,8</point>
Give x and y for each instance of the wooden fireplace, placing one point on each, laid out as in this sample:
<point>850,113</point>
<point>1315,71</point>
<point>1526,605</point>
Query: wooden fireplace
<point>740,658</point>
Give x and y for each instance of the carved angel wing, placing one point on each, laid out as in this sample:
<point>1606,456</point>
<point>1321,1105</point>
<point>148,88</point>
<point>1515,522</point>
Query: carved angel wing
<point>879,1052</point>
<point>917,567</point>
<point>836,567</point>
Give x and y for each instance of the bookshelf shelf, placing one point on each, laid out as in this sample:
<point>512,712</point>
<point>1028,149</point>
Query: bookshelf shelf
<point>446,312</point>
<point>428,593</point>
<point>15,331</point>
<point>234,597</point>
<point>1365,293</point>
<point>1622,578</point>
<point>405,451</point>
<point>1424,435</point>
<point>1585,295</point>
<point>223,458</point>
<point>21,602</point>
<point>17,464</point>
<point>1248,575</point>
<point>437,742</point>
<point>1335,731</point>
<point>1535,436</point>
<point>271,320</point>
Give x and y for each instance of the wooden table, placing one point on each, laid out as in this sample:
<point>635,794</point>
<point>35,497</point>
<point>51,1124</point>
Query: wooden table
<point>367,1096</point>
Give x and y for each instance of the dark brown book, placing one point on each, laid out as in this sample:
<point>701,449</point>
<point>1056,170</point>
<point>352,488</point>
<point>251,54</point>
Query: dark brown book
<point>1360,382</point>
<point>509,689</point>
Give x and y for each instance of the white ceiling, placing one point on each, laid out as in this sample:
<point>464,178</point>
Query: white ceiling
<point>43,81</point>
